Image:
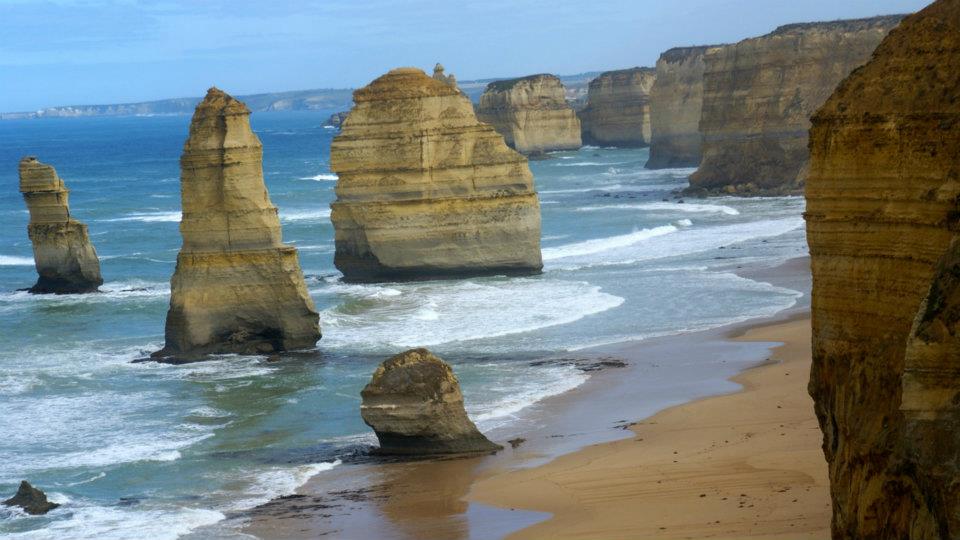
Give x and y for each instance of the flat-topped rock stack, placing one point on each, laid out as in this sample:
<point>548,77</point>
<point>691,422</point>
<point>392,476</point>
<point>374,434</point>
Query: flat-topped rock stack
<point>237,288</point>
<point>531,113</point>
<point>759,94</point>
<point>65,259</point>
<point>618,108</point>
<point>425,190</point>
<point>882,225</point>
<point>676,100</point>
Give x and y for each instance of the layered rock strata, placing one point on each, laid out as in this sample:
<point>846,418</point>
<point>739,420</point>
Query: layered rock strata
<point>65,259</point>
<point>759,94</point>
<point>531,113</point>
<point>618,108</point>
<point>882,227</point>
<point>414,404</point>
<point>427,191</point>
<point>675,103</point>
<point>237,288</point>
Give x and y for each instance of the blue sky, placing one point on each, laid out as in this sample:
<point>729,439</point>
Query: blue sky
<point>64,52</point>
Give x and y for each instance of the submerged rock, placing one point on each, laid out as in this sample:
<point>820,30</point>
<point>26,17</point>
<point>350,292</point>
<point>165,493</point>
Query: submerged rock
<point>531,113</point>
<point>414,404</point>
<point>32,500</point>
<point>675,103</point>
<point>759,94</point>
<point>618,108</point>
<point>237,288</point>
<point>882,227</point>
<point>64,257</point>
<point>425,190</point>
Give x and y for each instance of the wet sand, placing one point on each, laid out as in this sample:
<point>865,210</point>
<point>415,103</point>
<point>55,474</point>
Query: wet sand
<point>745,464</point>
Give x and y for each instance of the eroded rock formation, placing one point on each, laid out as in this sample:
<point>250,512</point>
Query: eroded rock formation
<point>32,500</point>
<point>237,288</point>
<point>531,113</point>
<point>425,190</point>
<point>675,103</point>
<point>414,404</point>
<point>618,108</point>
<point>759,95</point>
<point>882,226</point>
<point>64,257</point>
<point>438,74</point>
<point>336,119</point>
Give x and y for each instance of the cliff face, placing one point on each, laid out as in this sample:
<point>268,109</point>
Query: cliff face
<point>758,97</point>
<point>425,190</point>
<point>531,113</point>
<point>882,226</point>
<point>675,103</point>
<point>64,257</point>
<point>237,288</point>
<point>618,108</point>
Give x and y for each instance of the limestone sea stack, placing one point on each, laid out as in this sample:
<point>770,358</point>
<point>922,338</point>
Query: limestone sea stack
<point>759,94</point>
<point>618,108</point>
<point>237,288</point>
<point>531,113</point>
<point>882,227</point>
<point>425,190</point>
<point>675,103</point>
<point>414,404</point>
<point>64,257</point>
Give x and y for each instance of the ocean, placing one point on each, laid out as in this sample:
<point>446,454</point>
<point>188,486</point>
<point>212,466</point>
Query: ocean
<point>145,450</point>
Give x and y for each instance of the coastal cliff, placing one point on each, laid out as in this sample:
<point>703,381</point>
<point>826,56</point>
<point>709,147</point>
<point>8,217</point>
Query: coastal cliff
<point>65,259</point>
<point>675,103</point>
<point>237,288</point>
<point>882,227</point>
<point>531,113</point>
<point>758,97</point>
<point>425,190</point>
<point>618,108</point>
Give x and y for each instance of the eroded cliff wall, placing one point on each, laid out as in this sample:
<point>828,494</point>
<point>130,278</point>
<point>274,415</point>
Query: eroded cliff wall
<point>64,256</point>
<point>882,226</point>
<point>758,97</point>
<point>618,108</point>
<point>531,113</point>
<point>237,288</point>
<point>675,103</point>
<point>426,190</point>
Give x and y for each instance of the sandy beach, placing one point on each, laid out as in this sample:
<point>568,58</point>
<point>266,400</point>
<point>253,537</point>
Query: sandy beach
<point>603,462</point>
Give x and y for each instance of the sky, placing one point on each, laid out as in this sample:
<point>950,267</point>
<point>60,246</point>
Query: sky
<point>77,52</point>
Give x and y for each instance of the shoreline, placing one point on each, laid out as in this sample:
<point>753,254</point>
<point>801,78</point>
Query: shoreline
<point>456,498</point>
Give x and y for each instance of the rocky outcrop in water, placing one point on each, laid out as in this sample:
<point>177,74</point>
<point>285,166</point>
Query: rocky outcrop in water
<point>64,257</point>
<point>618,108</point>
<point>882,227</point>
<point>414,404</point>
<point>32,500</point>
<point>759,95</point>
<point>675,103</point>
<point>531,113</point>
<point>336,119</point>
<point>427,191</point>
<point>237,288</point>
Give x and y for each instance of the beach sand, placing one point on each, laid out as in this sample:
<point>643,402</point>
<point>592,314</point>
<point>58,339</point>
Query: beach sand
<point>744,464</point>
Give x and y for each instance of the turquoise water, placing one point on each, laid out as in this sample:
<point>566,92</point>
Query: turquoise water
<point>148,450</point>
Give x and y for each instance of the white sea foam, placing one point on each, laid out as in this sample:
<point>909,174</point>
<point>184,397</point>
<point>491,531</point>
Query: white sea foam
<point>519,393</point>
<point>433,313</point>
<point>600,187</point>
<point>86,521</point>
<point>150,217</point>
<point>274,482</point>
<point>322,214</point>
<point>599,245</point>
<point>665,206</point>
<point>321,178</point>
<point>13,260</point>
<point>683,223</point>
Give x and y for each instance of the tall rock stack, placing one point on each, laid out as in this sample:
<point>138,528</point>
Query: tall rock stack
<point>237,288</point>
<point>675,103</point>
<point>758,97</point>
<point>882,227</point>
<point>618,108</point>
<point>427,191</point>
<point>62,252</point>
<point>531,113</point>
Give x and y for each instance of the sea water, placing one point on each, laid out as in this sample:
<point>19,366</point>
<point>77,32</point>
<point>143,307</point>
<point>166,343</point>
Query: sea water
<point>137,450</point>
